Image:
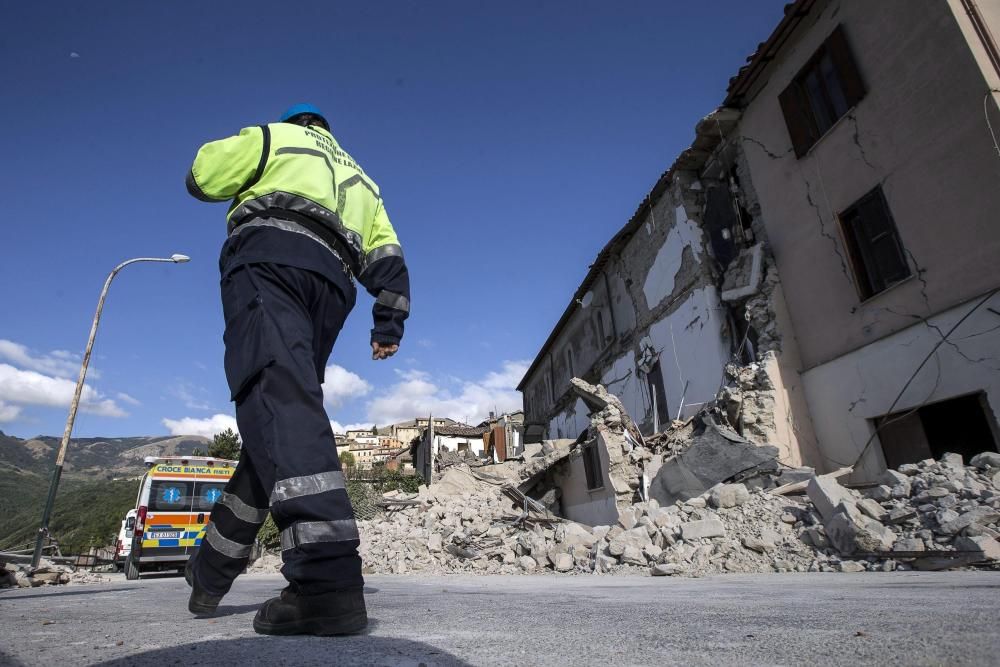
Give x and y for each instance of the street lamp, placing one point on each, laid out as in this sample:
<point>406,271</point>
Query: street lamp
<point>75,403</point>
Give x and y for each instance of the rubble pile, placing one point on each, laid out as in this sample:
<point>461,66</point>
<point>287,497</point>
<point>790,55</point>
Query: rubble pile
<point>715,502</point>
<point>937,514</point>
<point>931,515</point>
<point>47,573</point>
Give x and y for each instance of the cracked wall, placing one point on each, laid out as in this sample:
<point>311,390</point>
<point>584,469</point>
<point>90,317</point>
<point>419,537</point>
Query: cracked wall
<point>846,394</point>
<point>919,134</point>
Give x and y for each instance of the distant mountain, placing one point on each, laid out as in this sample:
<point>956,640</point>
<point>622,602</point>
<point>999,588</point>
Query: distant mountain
<point>94,458</point>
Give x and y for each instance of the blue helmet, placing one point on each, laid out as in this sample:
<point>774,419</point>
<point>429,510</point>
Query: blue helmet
<point>297,109</point>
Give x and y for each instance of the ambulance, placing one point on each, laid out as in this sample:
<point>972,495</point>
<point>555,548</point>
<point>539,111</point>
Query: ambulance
<point>172,509</point>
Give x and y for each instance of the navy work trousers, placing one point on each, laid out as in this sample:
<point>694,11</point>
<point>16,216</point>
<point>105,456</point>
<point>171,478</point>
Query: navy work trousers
<point>281,324</point>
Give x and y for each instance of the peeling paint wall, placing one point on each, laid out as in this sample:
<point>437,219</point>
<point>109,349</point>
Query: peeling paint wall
<point>657,298</point>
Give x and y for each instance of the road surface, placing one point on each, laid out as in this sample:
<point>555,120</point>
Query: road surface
<point>822,619</point>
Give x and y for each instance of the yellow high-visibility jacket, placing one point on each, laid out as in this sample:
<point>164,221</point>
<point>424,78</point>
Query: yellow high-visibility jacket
<point>302,174</point>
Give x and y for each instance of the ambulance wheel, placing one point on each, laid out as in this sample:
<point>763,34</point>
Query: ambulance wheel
<point>131,569</point>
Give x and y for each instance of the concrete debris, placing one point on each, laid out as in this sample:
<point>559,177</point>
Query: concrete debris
<point>714,455</point>
<point>16,575</point>
<point>472,525</point>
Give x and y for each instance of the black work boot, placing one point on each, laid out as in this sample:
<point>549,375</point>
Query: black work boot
<point>337,613</point>
<point>201,603</point>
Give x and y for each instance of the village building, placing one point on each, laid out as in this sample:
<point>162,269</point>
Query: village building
<point>806,264</point>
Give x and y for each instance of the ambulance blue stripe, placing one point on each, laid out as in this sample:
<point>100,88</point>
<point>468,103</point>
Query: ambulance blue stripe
<point>170,543</point>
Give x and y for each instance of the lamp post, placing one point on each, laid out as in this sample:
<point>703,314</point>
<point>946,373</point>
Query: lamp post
<point>75,403</point>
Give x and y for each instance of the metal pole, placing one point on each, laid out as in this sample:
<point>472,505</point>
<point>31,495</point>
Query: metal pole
<point>43,530</point>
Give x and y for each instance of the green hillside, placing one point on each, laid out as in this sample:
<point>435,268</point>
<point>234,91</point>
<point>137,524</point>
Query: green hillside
<point>85,514</point>
<point>98,487</point>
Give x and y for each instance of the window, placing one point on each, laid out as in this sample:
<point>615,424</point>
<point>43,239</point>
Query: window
<point>169,496</point>
<point>873,244</point>
<point>599,328</point>
<point>656,389</point>
<point>569,360</point>
<point>821,92</point>
<point>592,466</point>
<point>206,494</point>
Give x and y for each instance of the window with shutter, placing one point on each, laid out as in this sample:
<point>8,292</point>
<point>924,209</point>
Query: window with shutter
<point>821,93</point>
<point>873,244</point>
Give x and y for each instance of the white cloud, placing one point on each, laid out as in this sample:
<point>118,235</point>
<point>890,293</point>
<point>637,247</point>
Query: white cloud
<point>206,427</point>
<point>342,385</point>
<point>125,398</point>
<point>9,413</point>
<point>418,394</point>
<point>26,387</point>
<point>190,395</point>
<point>59,363</point>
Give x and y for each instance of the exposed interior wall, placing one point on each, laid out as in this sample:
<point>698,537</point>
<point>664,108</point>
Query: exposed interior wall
<point>922,80</point>
<point>846,394</point>
<point>594,508</point>
<point>452,444</point>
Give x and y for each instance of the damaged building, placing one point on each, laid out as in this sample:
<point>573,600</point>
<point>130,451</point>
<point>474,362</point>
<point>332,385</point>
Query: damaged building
<point>819,266</point>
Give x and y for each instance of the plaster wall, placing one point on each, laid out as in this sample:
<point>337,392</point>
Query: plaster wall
<point>845,394</point>
<point>919,132</point>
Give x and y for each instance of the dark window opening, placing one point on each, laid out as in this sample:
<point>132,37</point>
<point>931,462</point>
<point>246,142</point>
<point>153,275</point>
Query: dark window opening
<point>744,337</point>
<point>962,425</point>
<point>592,466</point>
<point>721,222</point>
<point>656,388</point>
<point>873,244</point>
<point>821,93</point>
<point>599,326</point>
<point>569,361</point>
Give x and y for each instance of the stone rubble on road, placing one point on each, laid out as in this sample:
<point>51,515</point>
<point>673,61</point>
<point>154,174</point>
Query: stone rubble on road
<point>13,575</point>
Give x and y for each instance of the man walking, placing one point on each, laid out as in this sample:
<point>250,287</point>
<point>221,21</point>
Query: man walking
<point>304,222</point>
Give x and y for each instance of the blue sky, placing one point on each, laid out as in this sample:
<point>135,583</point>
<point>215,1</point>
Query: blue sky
<point>510,140</point>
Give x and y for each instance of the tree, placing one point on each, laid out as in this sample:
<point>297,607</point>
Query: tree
<point>225,445</point>
<point>347,463</point>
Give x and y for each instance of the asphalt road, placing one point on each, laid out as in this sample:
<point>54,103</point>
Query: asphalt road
<point>796,619</point>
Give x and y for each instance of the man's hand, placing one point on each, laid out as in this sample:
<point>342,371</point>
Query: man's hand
<point>383,351</point>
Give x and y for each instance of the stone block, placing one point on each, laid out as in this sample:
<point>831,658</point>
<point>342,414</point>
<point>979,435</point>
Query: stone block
<point>636,538</point>
<point>729,495</point>
<point>900,515</point>
<point>574,533</point>
<point>879,493</point>
<point>633,556</point>
<point>909,544</point>
<point>985,460</point>
<point>953,461</point>
<point>827,494</point>
<point>527,563</point>
<point>758,545</point>
<point>705,528</point>
<point>988,547</point>
<point>714,456</point>
<point>627,518</point>
<point>851,566</point>
<point>563,562</point>
<point>666,569</point>
<point>980,516</point>
<point>872,509</point>
<point>850,531</point>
